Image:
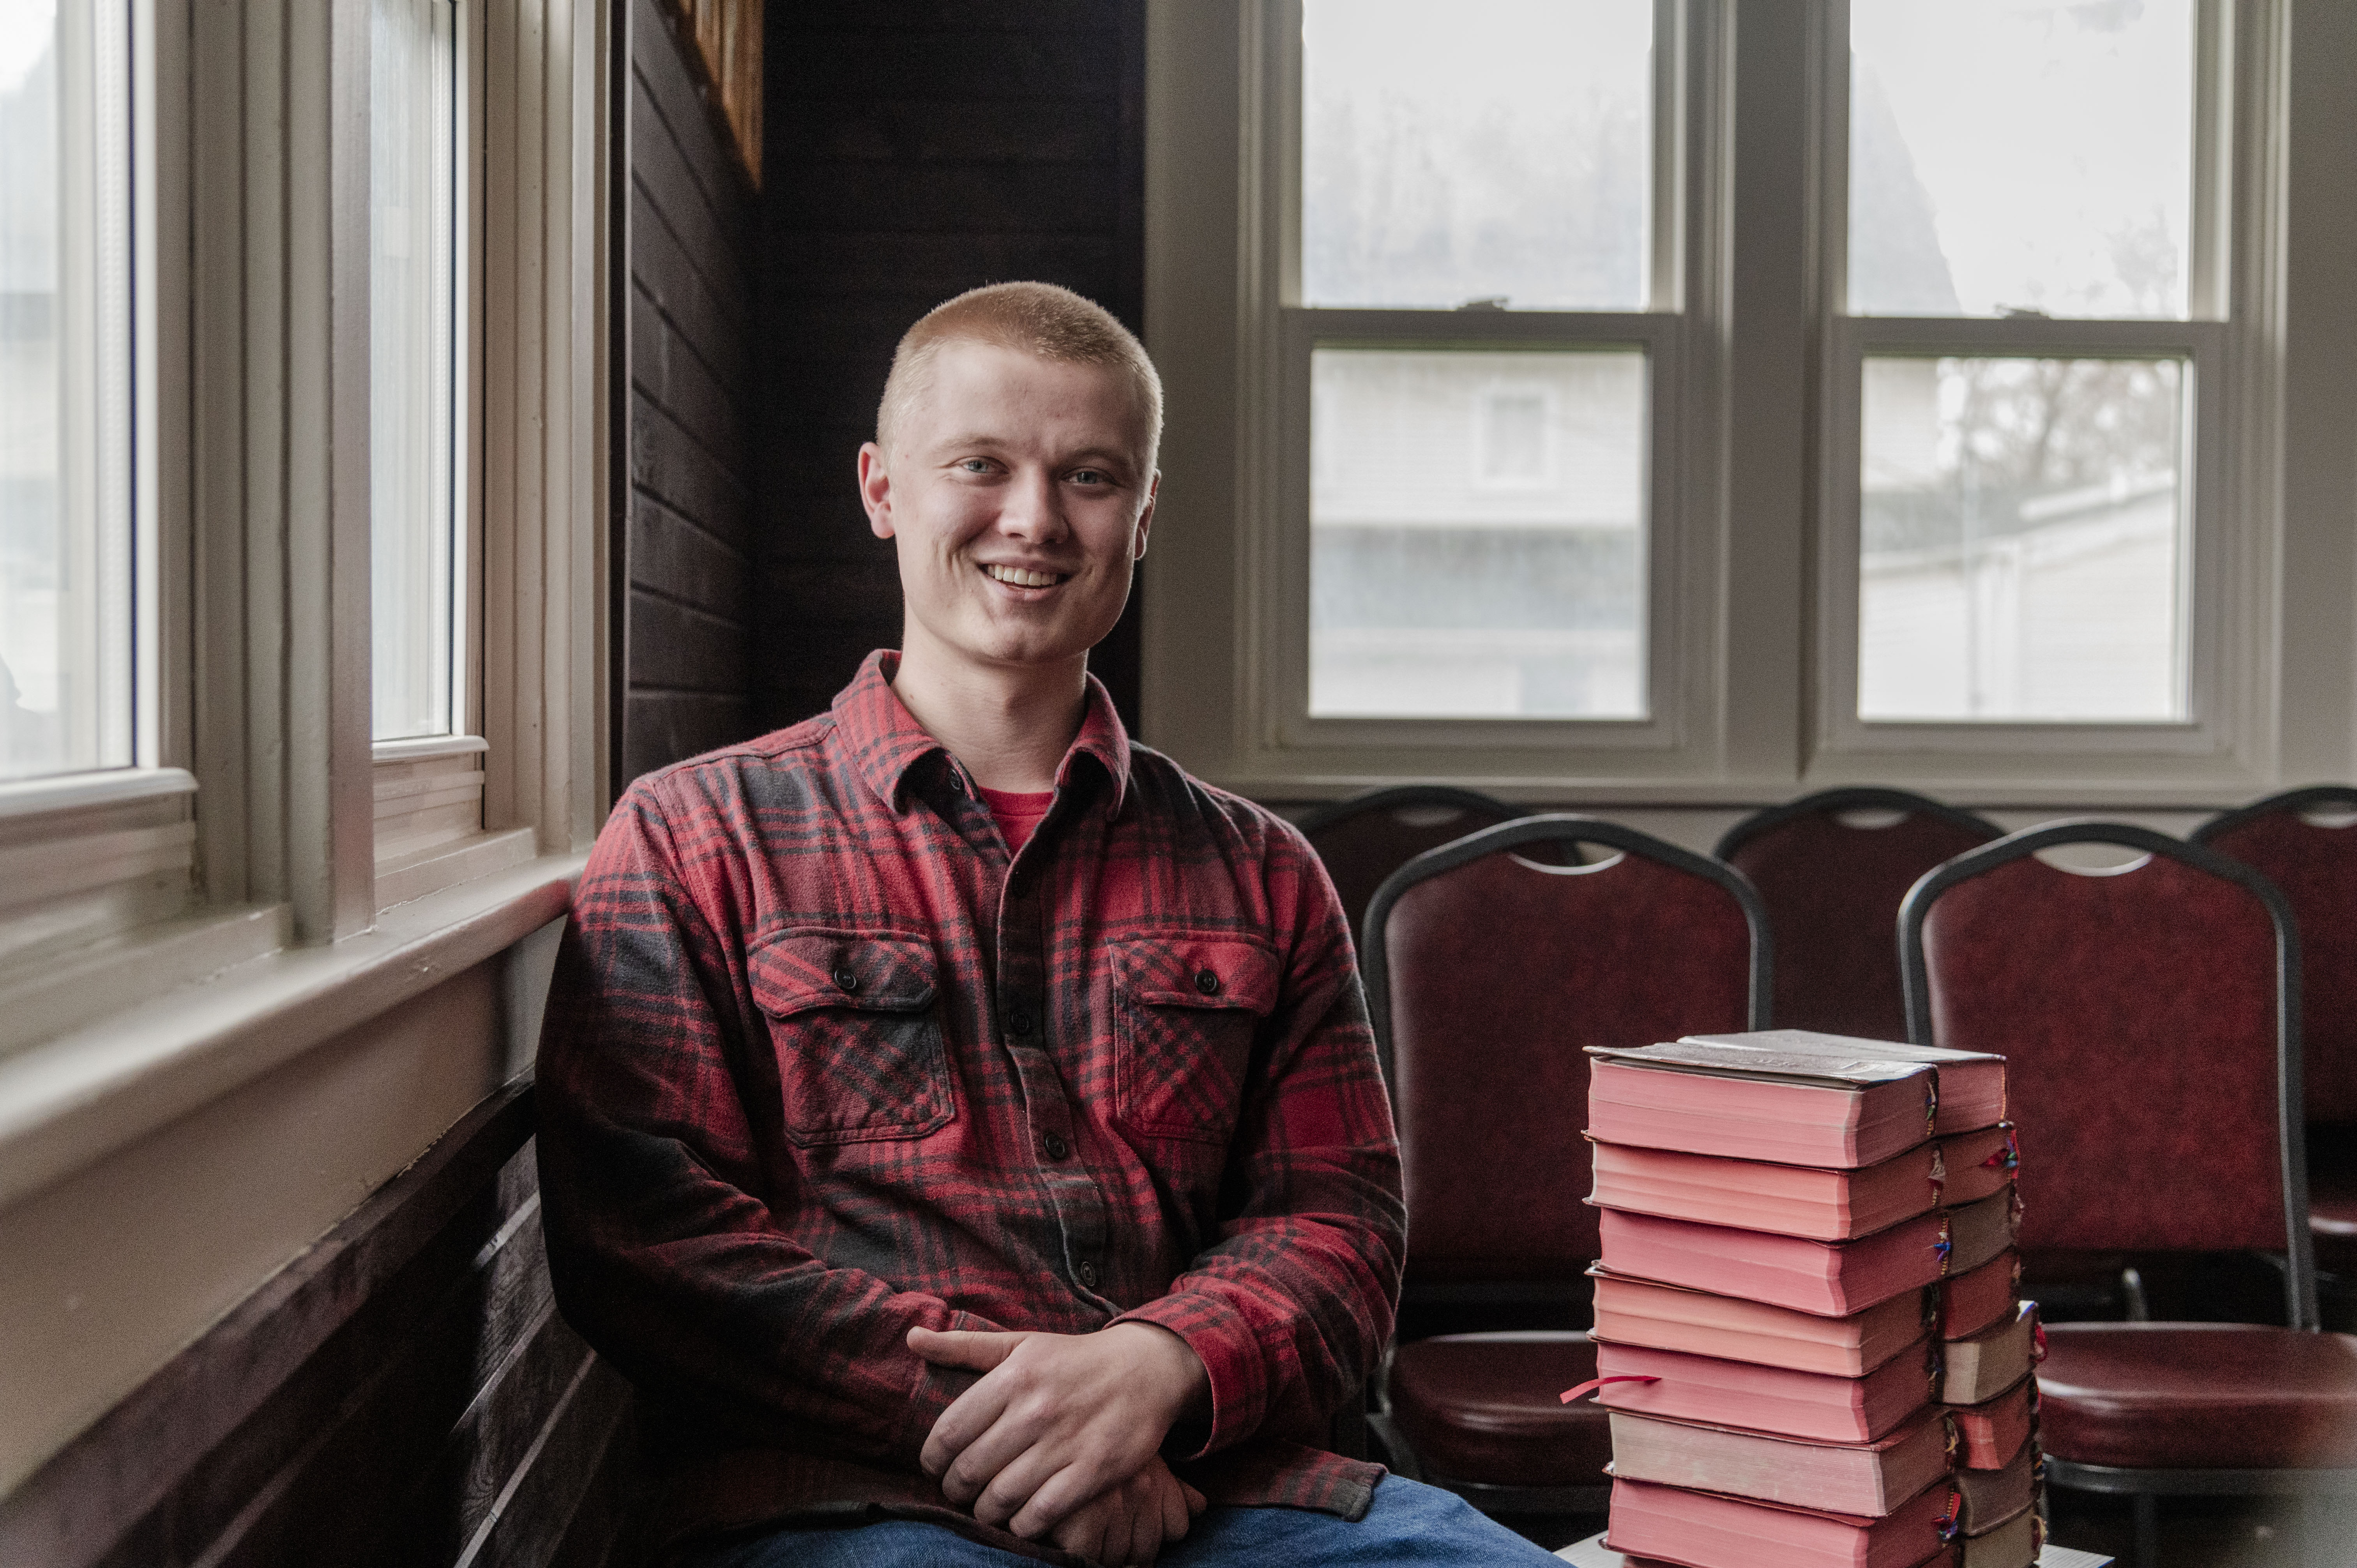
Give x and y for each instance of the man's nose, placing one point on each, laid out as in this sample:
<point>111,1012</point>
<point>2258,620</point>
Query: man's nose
<point>1034,508</point>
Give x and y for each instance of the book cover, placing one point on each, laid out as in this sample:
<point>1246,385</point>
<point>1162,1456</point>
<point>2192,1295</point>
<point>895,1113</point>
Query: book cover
<point>1971,1083</point>
<point>1970,1299</point>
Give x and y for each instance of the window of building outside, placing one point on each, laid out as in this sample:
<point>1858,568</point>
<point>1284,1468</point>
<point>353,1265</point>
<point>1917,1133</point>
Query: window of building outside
<point>1477,511</point>
<point>67,624</point>
<point>414,387</point>
<point>2025,508</point>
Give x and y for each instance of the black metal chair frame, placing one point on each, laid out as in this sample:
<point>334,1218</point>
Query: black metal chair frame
<point>1861,799</point>
<point>2146,1486</point>
<point>2289,801</point>
<point>1569,831</point>
<point>1394,796</point>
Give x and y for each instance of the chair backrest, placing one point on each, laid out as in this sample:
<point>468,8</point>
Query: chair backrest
<point>1366,838</point>
<point>2149,1018</point>
<point>1832,869</point>
<point>2314,863</point>
<point>1488,972</point>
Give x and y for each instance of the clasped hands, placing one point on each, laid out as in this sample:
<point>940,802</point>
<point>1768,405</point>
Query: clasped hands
<point>1060,1437</point>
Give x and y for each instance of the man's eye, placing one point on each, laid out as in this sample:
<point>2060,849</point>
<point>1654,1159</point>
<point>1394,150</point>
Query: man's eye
<point>975,464</point>
<point>1091,477</point>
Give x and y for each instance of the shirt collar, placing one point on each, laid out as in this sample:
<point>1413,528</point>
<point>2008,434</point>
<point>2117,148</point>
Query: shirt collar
<point>887,742</point>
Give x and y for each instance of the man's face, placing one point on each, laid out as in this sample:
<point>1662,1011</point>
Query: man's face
<point>1018,495</point>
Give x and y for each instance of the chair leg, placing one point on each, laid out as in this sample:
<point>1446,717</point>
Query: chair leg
<point>2147,1531</point>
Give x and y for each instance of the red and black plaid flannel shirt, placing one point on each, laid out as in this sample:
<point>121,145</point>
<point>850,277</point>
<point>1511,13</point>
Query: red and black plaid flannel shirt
<point>821,1063</point>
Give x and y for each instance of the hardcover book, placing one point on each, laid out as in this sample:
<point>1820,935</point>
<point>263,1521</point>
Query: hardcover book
<point>1631,1311</point>
<point>1991,1432</point>
<point>1754,1195</point>
<point>1992,1496</point>
<point>1869,1480</point>
<point>1832,1278</point>
<point>1971,1083</point>
<point>1986,1364</point>
<point>1706,1530</point>
<point>1751,1105</point>
<point>1971,1299</point>
<point>1772,1400</point>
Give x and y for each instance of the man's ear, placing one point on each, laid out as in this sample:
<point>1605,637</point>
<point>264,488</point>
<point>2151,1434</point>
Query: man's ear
<point>1145,518</point>
<point>876,490</point>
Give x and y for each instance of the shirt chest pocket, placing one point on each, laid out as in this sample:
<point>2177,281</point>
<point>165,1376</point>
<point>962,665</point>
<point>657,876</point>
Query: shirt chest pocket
<point>1187,1012</point>
<point>853,1019</point>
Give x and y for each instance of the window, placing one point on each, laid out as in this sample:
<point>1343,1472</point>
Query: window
<point>412,380</point>
<point>2030,323</point>
<point>1689,403</point>
<point>1485,294</point>
<point>67,640</point>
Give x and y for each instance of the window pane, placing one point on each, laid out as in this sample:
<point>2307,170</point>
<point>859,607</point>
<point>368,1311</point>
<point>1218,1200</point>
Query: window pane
<point>412,395</point>
<point>2035,155</point>
<point>2024,542</point>
<point>1487,149</point>
<point>1477,536</point>
<point>65,460</point>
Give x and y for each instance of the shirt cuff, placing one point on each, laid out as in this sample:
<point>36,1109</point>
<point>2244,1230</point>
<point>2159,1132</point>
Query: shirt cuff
<point>935,1389</point>
<point>1223,1342</point>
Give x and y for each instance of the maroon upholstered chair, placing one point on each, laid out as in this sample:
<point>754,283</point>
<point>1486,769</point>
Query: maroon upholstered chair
<point>1366,838</point>
<point>1832,869</point>
<point>1487,972</point>
<point>2149,1016</point>
<point>2315,863</point>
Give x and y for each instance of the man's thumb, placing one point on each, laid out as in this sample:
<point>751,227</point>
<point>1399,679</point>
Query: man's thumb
<point>965,1347</point>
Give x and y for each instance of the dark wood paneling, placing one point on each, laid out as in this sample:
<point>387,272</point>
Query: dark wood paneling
<point>688,522</point>
<point>375,1403</point>
<point>915,149</point>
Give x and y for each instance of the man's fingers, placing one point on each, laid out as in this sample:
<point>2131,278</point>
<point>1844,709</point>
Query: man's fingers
<point>969,1415</point>
<point>971,1348</point>
<point>1051,1499</point>
<point>1146,1521</point>
<point>1178,1504</point>
<point>1083,1534</point>
<point>1196,1501</point>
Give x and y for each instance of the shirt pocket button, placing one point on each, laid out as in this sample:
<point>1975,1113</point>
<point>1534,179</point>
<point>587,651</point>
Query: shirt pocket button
<point>1207,983</point>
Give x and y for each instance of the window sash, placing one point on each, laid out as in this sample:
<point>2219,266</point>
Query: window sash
<point>1274,651</point>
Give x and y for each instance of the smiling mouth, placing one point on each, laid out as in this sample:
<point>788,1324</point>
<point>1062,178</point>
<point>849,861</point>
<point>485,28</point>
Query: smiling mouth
<point>1023,576</point>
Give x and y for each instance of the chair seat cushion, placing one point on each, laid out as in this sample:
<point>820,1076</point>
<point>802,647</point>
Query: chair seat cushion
<point>1486,1407</point>
<point>2181,1396</point>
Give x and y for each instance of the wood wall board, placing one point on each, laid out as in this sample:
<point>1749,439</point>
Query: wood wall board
<point>685,666</point>
<point>668,725</point>
<point>916,150</point>
<point>680,648</point>
<point>304,1390</point>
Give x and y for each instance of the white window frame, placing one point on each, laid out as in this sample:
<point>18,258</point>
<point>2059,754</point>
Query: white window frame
<point>1267,740</point>
<point>179,943</point>
<point>2225,624</point>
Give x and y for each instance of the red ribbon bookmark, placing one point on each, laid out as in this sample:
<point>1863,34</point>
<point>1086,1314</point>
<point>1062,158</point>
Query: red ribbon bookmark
<point>1594,1383</point>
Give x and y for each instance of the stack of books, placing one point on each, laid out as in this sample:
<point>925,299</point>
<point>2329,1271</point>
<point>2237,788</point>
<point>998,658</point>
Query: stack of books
<point>1807,1325</point>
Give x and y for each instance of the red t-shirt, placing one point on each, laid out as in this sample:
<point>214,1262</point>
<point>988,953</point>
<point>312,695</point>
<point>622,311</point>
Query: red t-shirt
<point>1017,814</point>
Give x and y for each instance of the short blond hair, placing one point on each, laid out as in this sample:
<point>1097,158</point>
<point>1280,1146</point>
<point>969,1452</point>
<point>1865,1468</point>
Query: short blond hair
<point>1039,318</point>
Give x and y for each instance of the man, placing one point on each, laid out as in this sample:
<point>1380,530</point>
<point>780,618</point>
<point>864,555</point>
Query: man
<point>961,1124</point>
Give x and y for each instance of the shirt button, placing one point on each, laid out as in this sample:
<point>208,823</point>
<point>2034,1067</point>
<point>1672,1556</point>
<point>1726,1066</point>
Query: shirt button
<point>846,977</point>
<point>1019,1020</point>
<point>1087,1275</point>
<point>1055,1146</point>
<point>1207,983</point>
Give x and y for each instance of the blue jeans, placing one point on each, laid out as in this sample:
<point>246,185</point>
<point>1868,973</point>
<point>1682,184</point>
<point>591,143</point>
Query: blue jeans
<point>1409,1525</point>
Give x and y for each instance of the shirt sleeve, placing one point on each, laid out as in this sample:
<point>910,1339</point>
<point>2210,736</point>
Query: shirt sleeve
<point>662,1258</point>
<point>1290,1310</point>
